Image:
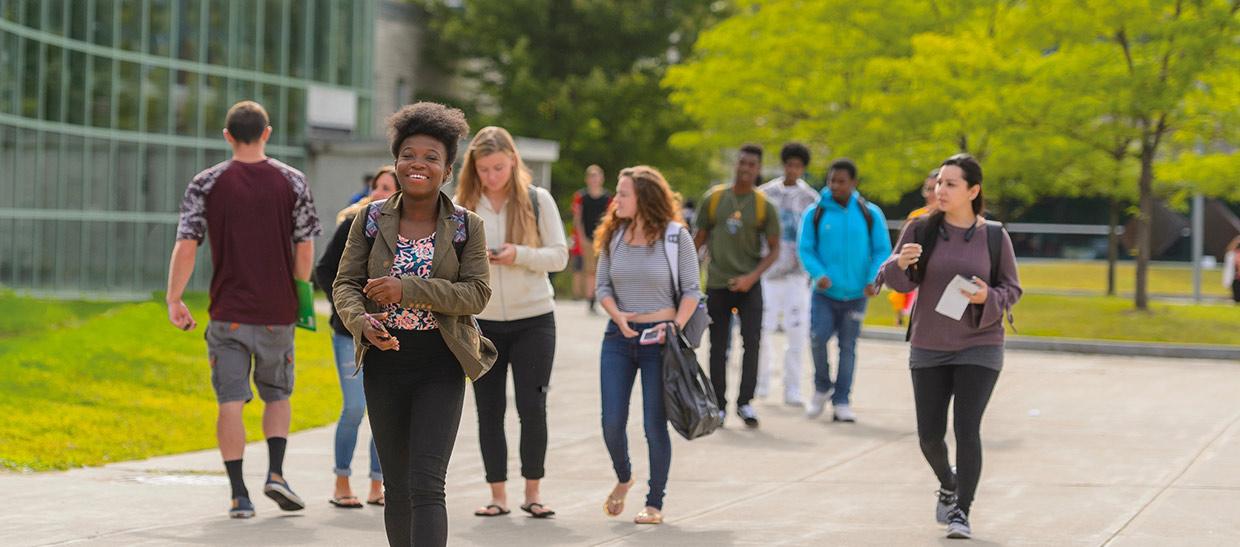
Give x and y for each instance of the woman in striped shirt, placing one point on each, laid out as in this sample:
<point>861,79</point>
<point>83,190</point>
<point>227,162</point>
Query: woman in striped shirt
<point>636,242</point>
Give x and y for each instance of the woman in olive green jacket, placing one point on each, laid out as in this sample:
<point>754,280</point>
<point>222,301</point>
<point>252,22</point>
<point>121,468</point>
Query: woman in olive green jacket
<point>413,274</point>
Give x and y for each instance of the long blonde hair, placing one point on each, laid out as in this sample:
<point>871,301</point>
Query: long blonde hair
<point>657,206</point>
<point>521,226</point>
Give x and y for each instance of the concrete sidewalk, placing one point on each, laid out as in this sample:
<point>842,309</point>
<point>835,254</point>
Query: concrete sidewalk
<point>1080,450</point>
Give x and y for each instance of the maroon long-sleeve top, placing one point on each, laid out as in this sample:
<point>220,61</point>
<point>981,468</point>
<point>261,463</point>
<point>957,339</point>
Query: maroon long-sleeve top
<point>982,324</point>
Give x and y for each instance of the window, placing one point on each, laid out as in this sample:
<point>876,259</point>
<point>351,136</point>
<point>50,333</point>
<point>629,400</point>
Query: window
<point>102,32</point>
<point>130,37</point>
<point>272,36</point>
<point>127,95</point>
<point>189,23</point>
<point>9,86</point>
<point>30,78</point>
<point>323,66</point>
<point>53,76</point>
<point>217,32</point>
<point>185,98</point>
<point>343,36</point>
<point>160,32</point>
<point>101,93</point>
<point>155,94</point>
<point>75,111</point>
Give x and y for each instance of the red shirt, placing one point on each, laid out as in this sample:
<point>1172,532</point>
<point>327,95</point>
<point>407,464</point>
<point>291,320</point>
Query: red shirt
<point>252,213</point>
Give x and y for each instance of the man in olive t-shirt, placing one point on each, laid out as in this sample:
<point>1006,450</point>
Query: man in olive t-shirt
<point>733,231</point>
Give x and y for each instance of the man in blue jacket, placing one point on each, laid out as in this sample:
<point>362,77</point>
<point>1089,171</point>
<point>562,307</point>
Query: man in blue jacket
<point>843,242</point>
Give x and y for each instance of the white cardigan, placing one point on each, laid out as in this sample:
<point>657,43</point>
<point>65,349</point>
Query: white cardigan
<point>522,290</point>
<point>1229,269</point>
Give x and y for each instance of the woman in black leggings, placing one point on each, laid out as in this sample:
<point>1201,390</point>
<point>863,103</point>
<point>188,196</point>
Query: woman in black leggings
<point>413,273</point>
<point>955,357</point>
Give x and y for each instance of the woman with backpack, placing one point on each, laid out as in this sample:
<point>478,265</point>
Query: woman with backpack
<point>953,358</point>
<point>636,243</point>
<point>527,242</point>
<point>412,275</point>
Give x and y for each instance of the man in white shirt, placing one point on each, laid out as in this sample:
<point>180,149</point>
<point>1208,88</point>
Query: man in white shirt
<point>785,286</point>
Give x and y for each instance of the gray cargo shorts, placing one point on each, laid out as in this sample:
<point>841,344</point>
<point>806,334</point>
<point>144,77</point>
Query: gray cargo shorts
<point>232,347</point>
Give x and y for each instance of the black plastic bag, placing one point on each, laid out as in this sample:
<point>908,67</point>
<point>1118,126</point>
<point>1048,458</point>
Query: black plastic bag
<point>688,396</point>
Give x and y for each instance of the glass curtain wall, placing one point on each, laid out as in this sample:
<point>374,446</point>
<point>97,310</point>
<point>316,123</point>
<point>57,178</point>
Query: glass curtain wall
<point>109,107</point>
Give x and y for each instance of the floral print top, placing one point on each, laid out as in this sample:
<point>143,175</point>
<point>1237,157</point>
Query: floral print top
<point>413,259</point>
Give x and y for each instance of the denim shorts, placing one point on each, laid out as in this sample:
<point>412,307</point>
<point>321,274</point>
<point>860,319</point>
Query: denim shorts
<point>232,347</point>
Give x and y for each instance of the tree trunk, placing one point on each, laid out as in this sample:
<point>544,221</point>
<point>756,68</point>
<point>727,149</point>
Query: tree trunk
<point>1112,245</point>
<point>1144,222</point>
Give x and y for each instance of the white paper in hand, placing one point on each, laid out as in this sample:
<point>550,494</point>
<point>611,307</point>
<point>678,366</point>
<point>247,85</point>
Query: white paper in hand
<point>953,304</point>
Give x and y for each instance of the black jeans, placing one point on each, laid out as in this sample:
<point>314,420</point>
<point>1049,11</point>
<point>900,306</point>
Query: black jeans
<point>415,397</point>
<point>1235,290</point>
<point>748,305</point>
<point>933,389</point>
<point>529,346</point>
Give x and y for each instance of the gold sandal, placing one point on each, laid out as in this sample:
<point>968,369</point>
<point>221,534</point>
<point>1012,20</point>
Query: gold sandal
<point>614,506</point>
<point>646,517</point>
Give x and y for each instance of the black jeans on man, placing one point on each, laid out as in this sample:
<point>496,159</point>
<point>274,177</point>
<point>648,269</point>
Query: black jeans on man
<point>748,306</point>
<point>529,346</point>
<point>415,397</point>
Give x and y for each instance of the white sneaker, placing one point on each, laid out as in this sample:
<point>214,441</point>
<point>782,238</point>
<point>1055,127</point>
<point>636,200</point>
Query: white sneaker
<point>844,413</point>
<point>793,398</point>
<point>958,525</point>
<point>749,415</point>
<point>817,404</point>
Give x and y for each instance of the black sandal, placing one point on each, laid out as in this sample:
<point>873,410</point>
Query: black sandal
<point>529,508</point>
<point>345,503</point>
<point>485,511</point>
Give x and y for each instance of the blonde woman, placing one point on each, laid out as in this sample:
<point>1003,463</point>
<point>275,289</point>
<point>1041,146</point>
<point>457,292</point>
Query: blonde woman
<point>523,224</point>
<point>636,288</point>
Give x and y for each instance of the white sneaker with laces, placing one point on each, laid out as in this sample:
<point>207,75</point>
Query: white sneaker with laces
<point>816,404</point>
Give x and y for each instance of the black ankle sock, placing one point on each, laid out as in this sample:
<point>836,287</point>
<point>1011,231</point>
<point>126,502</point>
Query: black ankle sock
<point>234,479</point>
<point>275,452</point>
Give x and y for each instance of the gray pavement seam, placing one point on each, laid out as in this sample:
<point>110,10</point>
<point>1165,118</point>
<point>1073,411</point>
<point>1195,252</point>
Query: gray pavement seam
<point>1232,423</point>
<point>775,488</point>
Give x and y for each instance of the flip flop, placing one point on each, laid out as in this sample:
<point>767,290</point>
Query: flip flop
<point>344,503</point>
<point>485,511</point>
<point>377,501</point>
<point>529,508</point>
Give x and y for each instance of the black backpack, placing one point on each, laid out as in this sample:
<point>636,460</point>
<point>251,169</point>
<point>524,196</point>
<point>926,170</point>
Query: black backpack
<point>917,271</point>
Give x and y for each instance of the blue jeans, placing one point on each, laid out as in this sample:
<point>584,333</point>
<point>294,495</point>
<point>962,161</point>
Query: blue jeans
<point>354,410</point>
<point>621,359</point>
<point>829,317</point>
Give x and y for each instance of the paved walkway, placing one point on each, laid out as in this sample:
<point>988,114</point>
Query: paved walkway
<point>1079,451</point>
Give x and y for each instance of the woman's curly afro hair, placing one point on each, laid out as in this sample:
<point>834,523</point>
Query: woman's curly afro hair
<point>442,123</point>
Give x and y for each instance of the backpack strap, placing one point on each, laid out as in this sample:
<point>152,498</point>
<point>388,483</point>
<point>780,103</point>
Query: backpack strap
<point>865,212</point>
<point>759,204</point>
<point>994,245</point>
<point>712,202</point>
<point>533,193</point>
<point>459,214</point>
<point>372,220</point>
<point>671,248</point>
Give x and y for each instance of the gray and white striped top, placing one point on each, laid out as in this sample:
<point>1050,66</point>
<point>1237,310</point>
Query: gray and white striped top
<point>640,279</point>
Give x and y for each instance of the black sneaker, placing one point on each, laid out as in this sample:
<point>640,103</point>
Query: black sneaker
<point>747,413</point>
<point>280,492</point>
<point>958,525</point>
<point>242,508</point>
<point>947,502</point>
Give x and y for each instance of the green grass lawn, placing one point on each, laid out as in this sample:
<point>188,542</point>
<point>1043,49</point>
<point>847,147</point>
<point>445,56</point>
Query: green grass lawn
<point>23,315</point>
<point>1092,276</point>
<point>80,387</point>
<point>1108,318</point>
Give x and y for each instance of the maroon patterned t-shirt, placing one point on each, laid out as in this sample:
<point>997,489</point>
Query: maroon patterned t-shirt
<point>252,214</point>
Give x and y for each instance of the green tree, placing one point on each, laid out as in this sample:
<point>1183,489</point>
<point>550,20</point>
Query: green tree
<point>1056,98</point>
<point>585,73</point>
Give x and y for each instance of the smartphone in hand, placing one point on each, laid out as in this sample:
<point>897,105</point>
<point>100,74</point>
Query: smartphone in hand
<point>651,336</point>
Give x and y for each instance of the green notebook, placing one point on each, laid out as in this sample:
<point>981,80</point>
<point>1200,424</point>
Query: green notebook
<point>305,305</point>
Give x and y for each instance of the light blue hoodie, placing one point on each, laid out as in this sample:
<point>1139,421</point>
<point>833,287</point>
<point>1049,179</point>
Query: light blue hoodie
<point>842,251</point>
